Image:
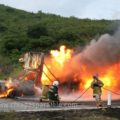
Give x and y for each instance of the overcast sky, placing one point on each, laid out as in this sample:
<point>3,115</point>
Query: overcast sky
<point>95,9</point>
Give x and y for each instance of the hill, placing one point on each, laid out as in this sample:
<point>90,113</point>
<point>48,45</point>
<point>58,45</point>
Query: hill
<point>21,31</point>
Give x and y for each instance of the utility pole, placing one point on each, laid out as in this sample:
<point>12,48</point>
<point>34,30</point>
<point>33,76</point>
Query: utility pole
<point>39,71</point>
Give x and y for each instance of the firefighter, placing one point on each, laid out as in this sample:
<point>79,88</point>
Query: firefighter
<point>96,85</point>
<point>53,94</point>
<point>44,92</point>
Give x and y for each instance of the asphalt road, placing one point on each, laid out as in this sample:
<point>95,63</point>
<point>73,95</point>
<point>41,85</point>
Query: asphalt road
<point>33,104</point>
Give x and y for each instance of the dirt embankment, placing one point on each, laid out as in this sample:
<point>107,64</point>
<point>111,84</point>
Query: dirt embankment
<point>95,114</point>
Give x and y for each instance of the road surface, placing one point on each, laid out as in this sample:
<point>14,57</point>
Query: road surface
<point>32,104</point>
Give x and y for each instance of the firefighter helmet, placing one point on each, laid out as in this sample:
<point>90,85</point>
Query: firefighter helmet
<point>56,83</point>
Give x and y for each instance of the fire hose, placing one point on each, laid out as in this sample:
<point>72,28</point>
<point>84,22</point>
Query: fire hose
<point>56,78</point>
<point>84,91</point>
<point>111,91</point>
<point>48,77</point>
<point>88,89</point>
<point>50,71</point>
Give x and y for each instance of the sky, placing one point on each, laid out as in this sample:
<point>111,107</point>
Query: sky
<point>93,9</point>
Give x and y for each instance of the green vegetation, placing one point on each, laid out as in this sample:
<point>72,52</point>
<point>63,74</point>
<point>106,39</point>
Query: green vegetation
<point>21,31</point>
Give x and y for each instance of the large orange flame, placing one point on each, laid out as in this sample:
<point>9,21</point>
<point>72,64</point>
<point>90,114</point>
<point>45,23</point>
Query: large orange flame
<point>60,63</point>
<point>56,64</point>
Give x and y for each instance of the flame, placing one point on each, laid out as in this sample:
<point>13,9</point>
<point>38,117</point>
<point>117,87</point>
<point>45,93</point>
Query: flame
<point>9,88</point>
<point>60,63</point>
<point>9,83</point>
<point>110,78</point>
<point>61,56</point>
<point>56,64</point>
<point>6,93</point>
<point>46,80</point>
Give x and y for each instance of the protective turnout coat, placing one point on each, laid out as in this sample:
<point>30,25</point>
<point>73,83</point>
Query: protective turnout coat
<point>96,86</point>
<point>53,93</point>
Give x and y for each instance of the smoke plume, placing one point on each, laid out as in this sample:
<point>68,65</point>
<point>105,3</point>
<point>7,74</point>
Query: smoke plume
<point>102,52</point>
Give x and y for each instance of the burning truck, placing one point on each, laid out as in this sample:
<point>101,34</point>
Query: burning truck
<point>25,83</point>
<point>37,74</point>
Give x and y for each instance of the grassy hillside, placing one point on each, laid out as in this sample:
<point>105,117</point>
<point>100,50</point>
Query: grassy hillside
<point>21,31</point>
